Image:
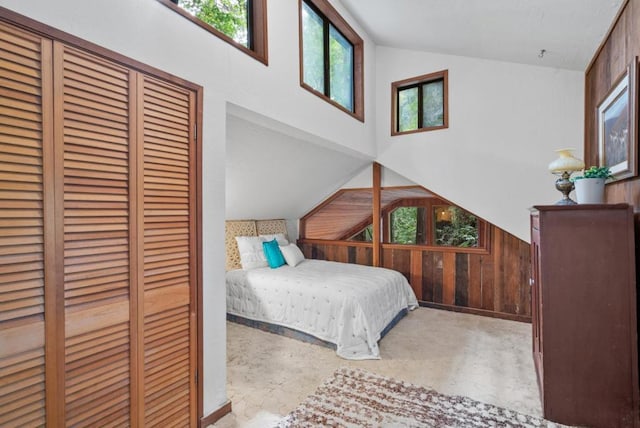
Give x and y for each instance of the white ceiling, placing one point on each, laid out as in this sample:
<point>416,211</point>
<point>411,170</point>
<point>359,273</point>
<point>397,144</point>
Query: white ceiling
<point>507,30</point>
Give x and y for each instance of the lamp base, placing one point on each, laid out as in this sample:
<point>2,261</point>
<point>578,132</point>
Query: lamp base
<point>565,186</point>
<point>567,201</point>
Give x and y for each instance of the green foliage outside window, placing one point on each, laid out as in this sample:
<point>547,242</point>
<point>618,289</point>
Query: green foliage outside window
<point>340,55</point>
<point>460,230</point>
<point>426,97</point>
<point>407,225</point>
<point>227,16</point>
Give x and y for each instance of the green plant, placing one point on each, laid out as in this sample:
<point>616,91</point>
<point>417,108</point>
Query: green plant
<point>595,172</point>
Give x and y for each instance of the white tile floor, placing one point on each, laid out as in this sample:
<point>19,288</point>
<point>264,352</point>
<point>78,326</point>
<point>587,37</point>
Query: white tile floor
<point>482,358</point>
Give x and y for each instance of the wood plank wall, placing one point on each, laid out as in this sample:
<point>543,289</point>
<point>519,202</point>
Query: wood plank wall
<point>492,283</point>
<point>620,47</point>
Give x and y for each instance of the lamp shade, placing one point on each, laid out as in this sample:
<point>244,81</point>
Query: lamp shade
<point>565,162</point>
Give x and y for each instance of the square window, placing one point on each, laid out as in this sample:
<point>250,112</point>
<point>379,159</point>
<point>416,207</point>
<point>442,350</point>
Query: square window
<point>420,103</point>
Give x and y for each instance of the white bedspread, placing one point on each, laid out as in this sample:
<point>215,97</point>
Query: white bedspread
<point>341,303</point>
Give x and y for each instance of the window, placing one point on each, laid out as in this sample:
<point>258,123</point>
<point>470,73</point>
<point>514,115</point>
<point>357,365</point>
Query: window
<point>365,235</point>
<point>331,57</point>
<point>420,103</point>
<point>408,225</point>
<point>455,227</point>
<point>242,23</point>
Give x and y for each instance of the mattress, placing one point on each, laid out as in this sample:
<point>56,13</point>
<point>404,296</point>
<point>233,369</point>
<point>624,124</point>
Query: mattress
<point>341,303</point>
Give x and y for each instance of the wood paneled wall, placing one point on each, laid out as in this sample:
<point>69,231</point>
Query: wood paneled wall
<point>491,283</point>
<point>620,47</point>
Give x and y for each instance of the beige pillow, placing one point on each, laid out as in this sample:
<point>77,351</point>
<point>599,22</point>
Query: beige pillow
<point>251,252</point>
<point>292,254</point>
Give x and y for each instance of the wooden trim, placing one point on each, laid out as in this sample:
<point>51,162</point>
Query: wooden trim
<point>136,248</point>
<point>258,32</point>
<point>418,80</point>
<point>216,415</point>
<point>199,280</point>
<point>195,263</point>
<point>348,32</point>
<point>376,211</point>
<point>473,311</point>
<point>604,40</point>
<point>41,29</point>
<point>304,241</point>
<point>55,326</point>
<point>443,249</point>
<point>53,315</point>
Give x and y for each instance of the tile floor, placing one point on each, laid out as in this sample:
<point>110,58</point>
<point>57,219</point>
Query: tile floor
<point>483,358</point>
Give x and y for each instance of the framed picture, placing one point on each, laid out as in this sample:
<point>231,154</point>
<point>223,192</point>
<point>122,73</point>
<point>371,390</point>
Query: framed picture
<point>617,126</point>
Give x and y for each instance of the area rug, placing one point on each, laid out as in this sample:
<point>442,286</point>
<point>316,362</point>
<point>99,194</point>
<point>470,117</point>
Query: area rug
<point>357,398</point>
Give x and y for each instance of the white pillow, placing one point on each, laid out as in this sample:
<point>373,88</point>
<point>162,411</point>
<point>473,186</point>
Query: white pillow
<point>282,240</point>
<point>251,252</point>
<point>292,254</point>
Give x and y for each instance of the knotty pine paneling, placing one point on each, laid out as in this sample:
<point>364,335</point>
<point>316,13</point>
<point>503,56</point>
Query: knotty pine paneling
<point>493,284</point>
<point>22,221</point>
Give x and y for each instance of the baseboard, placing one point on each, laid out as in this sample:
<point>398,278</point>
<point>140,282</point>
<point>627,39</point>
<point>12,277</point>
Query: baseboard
<point>216,415</point>
<point>482,312</point>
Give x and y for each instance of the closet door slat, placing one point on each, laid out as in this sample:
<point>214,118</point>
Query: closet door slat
<point>22,272</point>
<point>168,254</point>
<point>95,198</point>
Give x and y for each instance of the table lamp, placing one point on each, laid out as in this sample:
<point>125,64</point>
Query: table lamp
<point>563,167</point>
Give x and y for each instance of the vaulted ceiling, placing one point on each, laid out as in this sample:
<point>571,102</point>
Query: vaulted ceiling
<point>508,30</point>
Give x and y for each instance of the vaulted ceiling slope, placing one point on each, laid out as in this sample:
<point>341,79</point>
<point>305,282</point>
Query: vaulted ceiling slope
<point>507,30</point>
<point>270,174</point>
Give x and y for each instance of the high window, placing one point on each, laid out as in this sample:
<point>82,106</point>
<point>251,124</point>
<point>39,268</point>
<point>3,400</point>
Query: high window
<point>420,103</point>
<point>331,57</point>
<point>242,23</point>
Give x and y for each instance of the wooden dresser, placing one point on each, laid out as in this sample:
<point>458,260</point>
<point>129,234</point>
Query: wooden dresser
<point>584,314</point>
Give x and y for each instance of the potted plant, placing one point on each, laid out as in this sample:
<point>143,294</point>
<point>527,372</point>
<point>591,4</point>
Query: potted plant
<point>590,186</point>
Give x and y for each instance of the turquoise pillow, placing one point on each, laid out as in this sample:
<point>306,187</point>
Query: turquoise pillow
<point>273,254</point>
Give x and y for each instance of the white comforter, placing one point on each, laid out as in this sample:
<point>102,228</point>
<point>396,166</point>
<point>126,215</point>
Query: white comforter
<point>341,303</point>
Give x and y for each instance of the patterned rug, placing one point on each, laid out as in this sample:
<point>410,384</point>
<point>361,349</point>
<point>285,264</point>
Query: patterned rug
<point>357,398</point>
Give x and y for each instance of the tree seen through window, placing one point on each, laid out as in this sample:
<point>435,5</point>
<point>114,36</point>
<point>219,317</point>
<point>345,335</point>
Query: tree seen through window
<point>230,17</point>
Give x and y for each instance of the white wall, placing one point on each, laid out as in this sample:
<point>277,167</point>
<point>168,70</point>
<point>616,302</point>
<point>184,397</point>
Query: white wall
<point>388,178</point>
<point>151,33</point>
<point>505,120</point>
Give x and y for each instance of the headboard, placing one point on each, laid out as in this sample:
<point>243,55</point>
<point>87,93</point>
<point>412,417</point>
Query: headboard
<point>235,228</point>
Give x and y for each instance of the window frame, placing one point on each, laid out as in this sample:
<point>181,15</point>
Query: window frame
<point>428,204</point>
<point>256,28</point>
<point>418,82</point>
<point>327,12</point>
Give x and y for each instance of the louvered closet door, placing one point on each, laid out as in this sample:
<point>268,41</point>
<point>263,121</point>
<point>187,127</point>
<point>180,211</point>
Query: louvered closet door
<point>168,223</point>
<point>23,147</point>
<point>92,146</point>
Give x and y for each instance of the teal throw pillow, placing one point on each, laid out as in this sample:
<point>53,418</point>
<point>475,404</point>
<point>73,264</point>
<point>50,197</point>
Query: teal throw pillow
<point>273,254</point>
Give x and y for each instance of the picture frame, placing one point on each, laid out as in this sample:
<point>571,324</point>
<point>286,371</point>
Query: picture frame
<point>617,126</point>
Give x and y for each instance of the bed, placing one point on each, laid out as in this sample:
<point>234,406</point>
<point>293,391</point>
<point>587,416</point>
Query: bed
<point>347,305</point>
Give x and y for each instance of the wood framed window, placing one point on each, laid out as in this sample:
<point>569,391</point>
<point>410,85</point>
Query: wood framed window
<point>420,103</point>
<point>241,23</point>
<point>331,57</point>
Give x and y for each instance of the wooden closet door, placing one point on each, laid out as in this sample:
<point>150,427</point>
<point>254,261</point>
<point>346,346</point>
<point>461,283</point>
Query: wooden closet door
<point>93,117</point>
<point>168,227</point>
<point>24,149</point>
